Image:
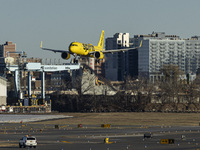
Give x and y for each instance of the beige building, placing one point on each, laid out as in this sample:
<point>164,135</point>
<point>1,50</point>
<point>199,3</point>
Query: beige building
<point>3,91</point>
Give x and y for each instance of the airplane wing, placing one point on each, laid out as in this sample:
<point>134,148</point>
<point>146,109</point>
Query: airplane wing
<point>53,50</point>
<point>120,50</point>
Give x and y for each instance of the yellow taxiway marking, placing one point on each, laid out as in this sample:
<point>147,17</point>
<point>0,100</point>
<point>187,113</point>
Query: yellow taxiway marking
<point>66,142</point>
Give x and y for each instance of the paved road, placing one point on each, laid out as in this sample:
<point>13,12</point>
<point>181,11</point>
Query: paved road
<point>92,137</point>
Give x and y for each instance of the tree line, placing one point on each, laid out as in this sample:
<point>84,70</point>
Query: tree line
<point>169,93</point>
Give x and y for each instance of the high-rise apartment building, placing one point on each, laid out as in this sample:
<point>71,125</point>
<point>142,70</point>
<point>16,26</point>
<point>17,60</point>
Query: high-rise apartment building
<point>192,50</point>
<point>159,49</point>
<point>115,64</point>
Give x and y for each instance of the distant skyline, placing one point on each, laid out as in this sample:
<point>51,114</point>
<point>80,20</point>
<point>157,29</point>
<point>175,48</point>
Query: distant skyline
<point>58,23</point>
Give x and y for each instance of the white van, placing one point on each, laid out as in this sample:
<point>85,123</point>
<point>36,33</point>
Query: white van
<point>28,141</point>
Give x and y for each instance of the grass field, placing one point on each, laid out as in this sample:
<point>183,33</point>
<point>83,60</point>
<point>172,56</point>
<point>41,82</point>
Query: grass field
<point>129,118</point>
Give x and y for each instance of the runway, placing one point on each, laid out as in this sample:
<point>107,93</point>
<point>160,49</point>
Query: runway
<point>16,118</point>
<point>92,137</point>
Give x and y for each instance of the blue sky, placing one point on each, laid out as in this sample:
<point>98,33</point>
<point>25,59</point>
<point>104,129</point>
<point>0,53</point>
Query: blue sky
<point>59,22</point>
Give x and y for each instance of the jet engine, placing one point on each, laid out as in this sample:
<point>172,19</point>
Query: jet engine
<point>98,55</point>
<point>65,55</point>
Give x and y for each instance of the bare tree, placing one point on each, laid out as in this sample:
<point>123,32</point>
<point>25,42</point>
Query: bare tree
<point>140,90</point>
<point>171,85</point>
<point>192,91</point>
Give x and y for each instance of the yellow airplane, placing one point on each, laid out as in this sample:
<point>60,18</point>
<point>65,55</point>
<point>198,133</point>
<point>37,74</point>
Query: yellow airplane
<point>87,50</point>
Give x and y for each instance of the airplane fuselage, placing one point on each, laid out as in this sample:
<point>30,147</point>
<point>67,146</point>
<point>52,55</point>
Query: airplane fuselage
<point>83,49</point>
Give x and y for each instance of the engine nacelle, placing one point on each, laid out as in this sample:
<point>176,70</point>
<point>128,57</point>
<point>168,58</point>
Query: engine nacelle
<point>98,55</point>
<point>65,55</point>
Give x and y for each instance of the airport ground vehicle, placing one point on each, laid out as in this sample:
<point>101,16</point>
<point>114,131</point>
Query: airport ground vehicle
<point>28,141</point>
<point>2,108</point>
<point>148,135</point>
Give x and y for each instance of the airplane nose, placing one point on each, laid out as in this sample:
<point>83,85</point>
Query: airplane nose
<point>71,48</point>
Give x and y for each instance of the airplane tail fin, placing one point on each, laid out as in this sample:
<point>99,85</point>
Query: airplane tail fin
<point>140,43</point>
<point>101,39</point>
<point>41,44</point>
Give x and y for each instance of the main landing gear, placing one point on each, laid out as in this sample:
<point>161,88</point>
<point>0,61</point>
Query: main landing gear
<point>74,61</point>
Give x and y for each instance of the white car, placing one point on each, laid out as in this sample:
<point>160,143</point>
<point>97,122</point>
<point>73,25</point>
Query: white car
<point>28,141</point>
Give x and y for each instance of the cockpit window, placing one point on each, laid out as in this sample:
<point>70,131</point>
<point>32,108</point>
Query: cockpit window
<point>72,44</point>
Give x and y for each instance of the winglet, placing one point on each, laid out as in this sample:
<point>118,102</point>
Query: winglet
<point>41,44</point>
<point>140,43</point>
